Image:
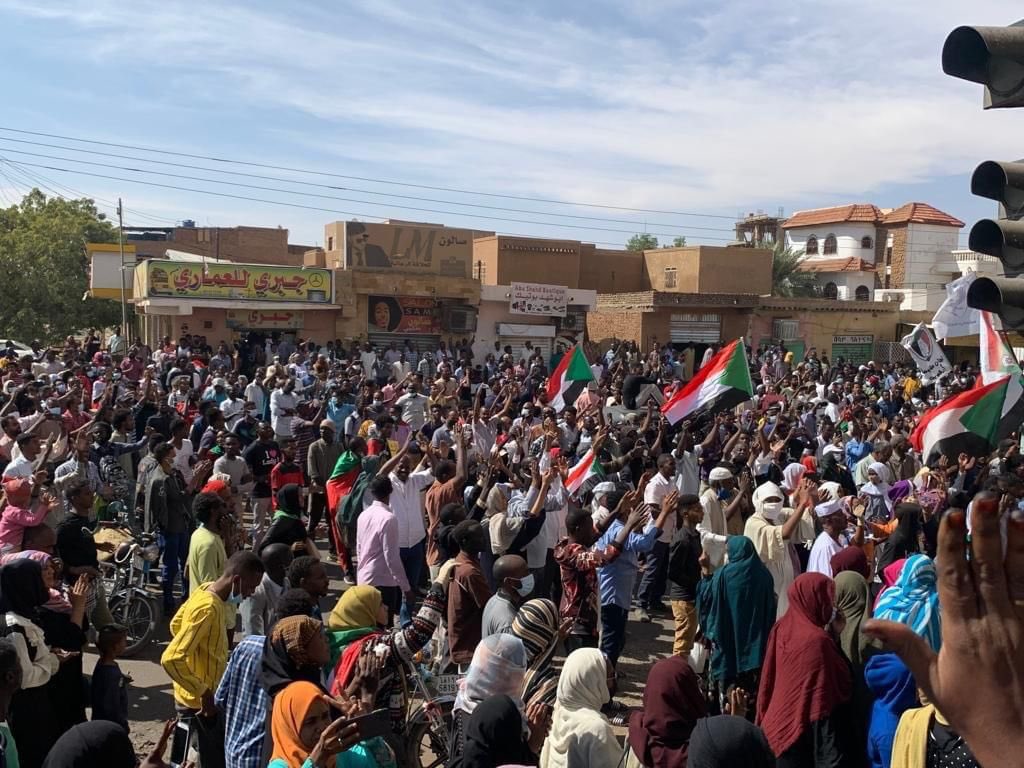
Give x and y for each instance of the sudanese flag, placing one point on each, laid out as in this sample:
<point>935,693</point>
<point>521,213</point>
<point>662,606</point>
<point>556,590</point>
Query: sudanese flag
<point>343,479</point>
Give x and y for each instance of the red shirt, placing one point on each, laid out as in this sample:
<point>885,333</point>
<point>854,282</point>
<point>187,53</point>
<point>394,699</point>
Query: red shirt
<point>282,474</point>
<point>580,597</point>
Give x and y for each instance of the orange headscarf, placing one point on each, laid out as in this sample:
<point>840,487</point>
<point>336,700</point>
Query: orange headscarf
<point>291,706</point>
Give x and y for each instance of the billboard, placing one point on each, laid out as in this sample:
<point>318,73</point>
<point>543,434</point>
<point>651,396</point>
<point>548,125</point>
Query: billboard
<point>409,248</point>
<point>410,315</point>
<point>234,282</point>
<point>538,299</point>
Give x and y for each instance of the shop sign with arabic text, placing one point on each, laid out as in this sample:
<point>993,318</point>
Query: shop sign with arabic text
<point>235,282</point>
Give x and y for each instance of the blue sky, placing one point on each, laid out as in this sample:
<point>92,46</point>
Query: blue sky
<point>674,105</point>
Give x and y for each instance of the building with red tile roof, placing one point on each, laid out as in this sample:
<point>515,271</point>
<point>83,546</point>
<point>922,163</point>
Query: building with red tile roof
<point>859,248</point>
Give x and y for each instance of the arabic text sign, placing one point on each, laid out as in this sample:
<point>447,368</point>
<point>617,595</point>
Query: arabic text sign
<point>853,349</point>
<point>245,282</point>
<point>402,314</point>
<point>270,319</point>
<point>409,248</point>
<point>538,299</point>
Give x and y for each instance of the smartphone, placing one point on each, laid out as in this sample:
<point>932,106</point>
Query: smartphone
<point>377,723</point>
<point>181,744</point>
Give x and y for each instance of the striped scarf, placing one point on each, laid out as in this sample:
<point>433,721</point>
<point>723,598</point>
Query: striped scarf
<point>536,624</point>
<point>914,600</point>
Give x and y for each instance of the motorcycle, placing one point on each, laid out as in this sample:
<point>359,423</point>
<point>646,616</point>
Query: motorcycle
<point>126,582</point>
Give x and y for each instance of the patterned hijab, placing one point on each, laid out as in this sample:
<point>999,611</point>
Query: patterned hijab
<point>536,624</point>
<point>914,600</point>
<point>294,634</point>
<point>58,602</point>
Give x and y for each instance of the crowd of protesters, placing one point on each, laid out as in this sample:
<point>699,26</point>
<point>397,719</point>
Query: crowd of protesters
<point>773,536</point>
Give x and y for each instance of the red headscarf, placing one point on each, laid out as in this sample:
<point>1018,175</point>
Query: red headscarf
<point>660,733</point>
<point>850,559</point>
<point>804,677</point>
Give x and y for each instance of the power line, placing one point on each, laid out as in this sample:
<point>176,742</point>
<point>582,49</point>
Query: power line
<point>369,179</point>
<point>78,193</point>
<point>250,199</point>
<point>335,186</point>
<point>332,197</point>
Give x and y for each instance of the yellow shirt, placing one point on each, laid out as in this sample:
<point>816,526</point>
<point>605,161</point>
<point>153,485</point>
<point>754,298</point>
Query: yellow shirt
<point>206,560</point>
<point>197,655</point>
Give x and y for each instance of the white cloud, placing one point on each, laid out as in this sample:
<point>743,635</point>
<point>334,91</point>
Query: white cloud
<point>668,104</point>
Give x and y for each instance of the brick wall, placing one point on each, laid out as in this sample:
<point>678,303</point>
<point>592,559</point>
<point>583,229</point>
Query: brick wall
<point>603,326</point>
<point>899,257</point>
<point>245,245</point>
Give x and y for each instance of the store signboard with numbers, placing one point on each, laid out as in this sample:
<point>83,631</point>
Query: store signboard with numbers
<point>853,349</point>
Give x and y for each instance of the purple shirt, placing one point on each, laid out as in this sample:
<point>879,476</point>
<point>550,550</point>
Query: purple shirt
<point>377,549</point>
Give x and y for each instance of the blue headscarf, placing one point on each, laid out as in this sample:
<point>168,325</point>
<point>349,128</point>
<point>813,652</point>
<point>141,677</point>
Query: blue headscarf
<point>737,611</point>
<point>893,685</point>
<point>914,600</point>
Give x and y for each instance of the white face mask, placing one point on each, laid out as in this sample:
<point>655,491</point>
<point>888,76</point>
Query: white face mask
<point>771,510</point>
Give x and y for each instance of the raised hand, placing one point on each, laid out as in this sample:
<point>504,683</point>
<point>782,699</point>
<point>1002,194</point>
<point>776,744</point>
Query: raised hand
<point>982,634</point>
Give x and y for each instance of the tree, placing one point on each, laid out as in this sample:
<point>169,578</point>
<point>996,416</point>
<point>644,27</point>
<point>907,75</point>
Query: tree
<point>46,269</point>
<point>642,242</point>
<point>787,279</point>
<point>677,242</point>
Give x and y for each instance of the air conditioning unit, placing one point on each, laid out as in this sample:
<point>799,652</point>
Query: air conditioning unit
<point>459,319</point>
<point>573,321</point>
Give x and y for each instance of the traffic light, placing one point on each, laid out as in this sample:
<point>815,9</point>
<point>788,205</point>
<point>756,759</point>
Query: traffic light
<point>992,56</point>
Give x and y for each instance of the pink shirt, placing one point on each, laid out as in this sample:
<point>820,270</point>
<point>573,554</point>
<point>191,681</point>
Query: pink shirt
<point>15,520</point>
<point>377,549</point>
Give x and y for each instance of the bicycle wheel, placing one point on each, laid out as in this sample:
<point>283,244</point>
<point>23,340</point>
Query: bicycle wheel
<point>138,614</point>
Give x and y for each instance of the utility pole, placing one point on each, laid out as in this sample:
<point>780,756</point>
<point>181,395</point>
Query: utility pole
<point>120,243</point>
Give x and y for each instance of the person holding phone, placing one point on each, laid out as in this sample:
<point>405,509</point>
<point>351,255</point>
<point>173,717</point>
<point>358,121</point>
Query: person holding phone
<point>304,731</point>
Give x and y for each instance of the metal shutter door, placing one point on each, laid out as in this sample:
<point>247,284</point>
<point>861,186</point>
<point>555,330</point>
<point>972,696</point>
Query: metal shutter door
<point>703,329</point>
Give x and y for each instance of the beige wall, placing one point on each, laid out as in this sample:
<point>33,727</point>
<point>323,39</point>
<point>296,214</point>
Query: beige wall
<point>534,260</point>
<point>247,245</point>
<point>710,269</point>
<point>603,327</point>
<point>818,326</point>
<point>611,271</point>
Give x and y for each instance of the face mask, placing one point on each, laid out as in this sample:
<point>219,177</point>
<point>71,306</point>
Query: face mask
<point>234,599</point>
<point>525,585</point>
<point>723,494</point>
<point>771,510</point>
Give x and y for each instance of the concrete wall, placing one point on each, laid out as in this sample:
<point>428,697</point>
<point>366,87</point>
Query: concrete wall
<point>848,239</point>
<point>928,249</point>
<point>533,260</point>
<point>710,269</point>
<point>611,271</point>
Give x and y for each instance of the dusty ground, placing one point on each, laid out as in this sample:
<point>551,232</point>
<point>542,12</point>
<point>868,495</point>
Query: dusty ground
<point>151,700</point>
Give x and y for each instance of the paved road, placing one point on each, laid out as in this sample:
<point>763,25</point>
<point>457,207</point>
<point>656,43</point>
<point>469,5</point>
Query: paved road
<point>151,701</point>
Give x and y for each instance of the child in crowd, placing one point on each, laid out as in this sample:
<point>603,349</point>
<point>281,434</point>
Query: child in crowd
<point>109,684</point>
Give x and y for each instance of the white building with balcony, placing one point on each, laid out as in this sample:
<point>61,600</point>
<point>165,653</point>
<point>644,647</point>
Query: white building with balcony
<point>860,251</point>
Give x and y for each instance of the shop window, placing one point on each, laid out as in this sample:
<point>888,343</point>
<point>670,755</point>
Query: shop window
<point>830,247</point>
<point>811,249</point>
<point>670,277</point>
<point>862,293</point>
<point>867,242</point>
<point>831,290</point>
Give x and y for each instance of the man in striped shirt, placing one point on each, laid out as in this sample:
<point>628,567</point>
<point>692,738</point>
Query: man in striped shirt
<point>197,655</point>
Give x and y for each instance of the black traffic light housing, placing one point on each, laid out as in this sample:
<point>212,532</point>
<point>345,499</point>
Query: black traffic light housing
<point>992,56</point>
<point>1002,296</point>
<point>1002,238</point>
